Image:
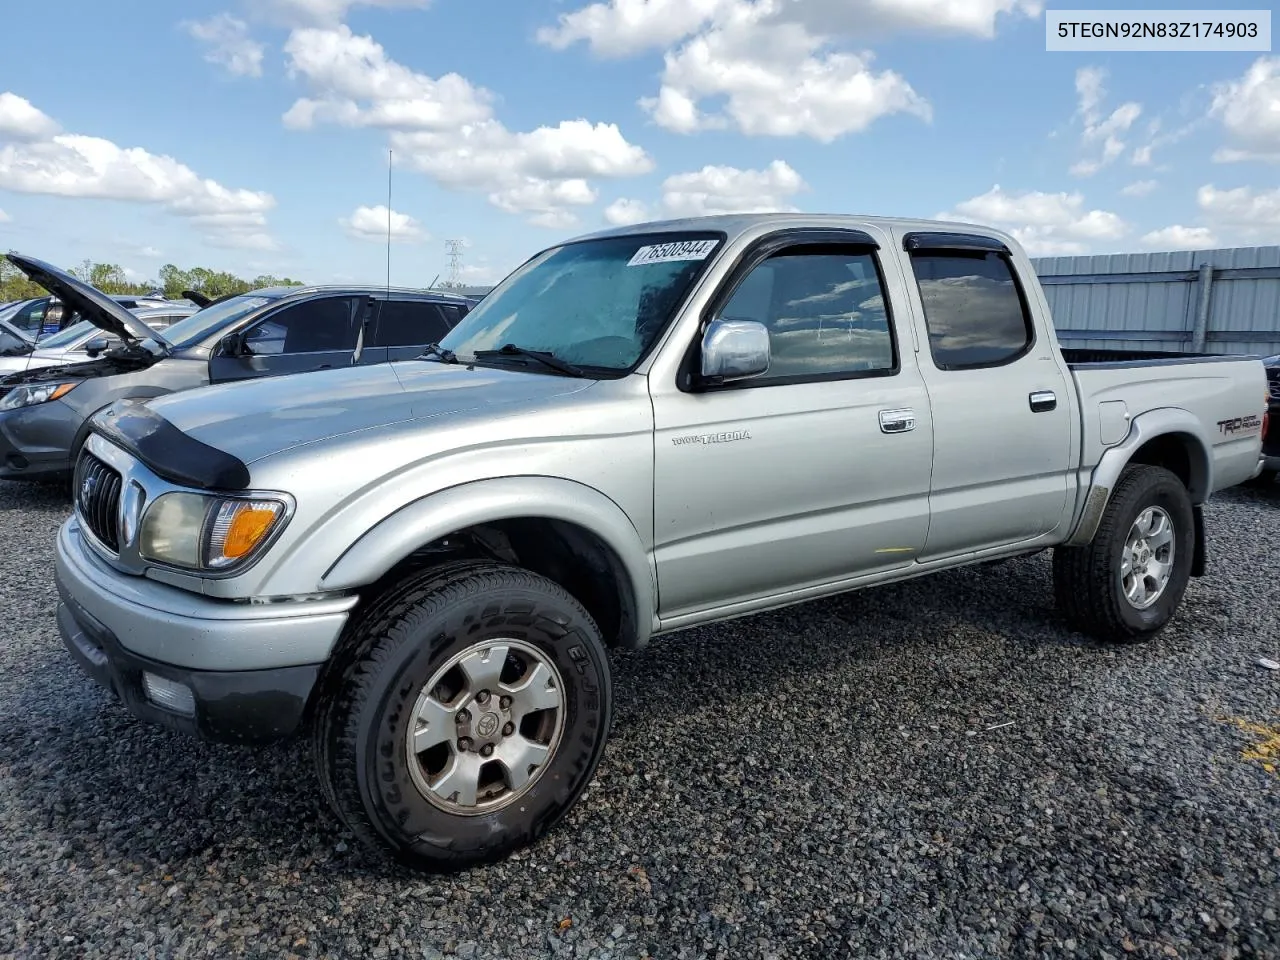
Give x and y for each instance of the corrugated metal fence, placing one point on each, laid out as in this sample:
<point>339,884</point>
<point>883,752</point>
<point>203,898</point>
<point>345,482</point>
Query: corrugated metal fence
<point>1206,301</point>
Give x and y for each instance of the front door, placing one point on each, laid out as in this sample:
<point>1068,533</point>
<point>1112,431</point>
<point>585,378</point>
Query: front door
<point>316,334</point>
<point>1001,406</point>
<point>816,471</point>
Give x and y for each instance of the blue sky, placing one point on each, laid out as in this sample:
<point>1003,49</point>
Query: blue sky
<point>252,135</point>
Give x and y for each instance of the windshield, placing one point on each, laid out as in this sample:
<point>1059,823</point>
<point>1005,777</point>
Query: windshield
<point>599,303</point>
<point>65,338</point>
<point>194,329</point>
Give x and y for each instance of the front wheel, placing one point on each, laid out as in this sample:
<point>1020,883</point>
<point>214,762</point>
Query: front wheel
<point>467,718</point>
<point>1125,586</point>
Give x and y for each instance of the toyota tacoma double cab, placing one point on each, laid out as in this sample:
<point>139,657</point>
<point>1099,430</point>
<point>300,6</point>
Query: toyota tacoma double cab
<point>422,565</point>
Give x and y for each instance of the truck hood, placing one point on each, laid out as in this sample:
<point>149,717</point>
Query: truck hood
<point>260,418</point>
<point>90,302</point>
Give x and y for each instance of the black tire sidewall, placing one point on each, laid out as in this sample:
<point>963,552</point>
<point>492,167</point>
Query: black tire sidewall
<point>412,824</point>
<point>1168,493</point>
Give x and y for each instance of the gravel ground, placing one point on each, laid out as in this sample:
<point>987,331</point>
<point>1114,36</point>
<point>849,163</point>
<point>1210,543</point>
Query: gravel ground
<point>937,769</point>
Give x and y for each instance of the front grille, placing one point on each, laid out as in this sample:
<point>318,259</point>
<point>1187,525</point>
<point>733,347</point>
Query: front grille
<point>98,489</point>
<point>1274,385</point>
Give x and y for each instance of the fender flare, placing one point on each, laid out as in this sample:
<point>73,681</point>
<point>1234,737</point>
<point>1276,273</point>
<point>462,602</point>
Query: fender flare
<point>438,514</point>
<point>1145,428</point>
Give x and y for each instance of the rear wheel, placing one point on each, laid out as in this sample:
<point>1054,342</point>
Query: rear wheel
<point>1125,586</point>
<point>467,718</point>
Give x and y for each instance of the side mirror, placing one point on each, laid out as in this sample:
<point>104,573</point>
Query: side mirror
<point>232,345</point>
<point>734,350</point>
<point>96,346</point>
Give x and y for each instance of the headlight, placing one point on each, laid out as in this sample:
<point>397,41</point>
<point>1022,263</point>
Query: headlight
<point>204,533</point>
<point>32,394</point>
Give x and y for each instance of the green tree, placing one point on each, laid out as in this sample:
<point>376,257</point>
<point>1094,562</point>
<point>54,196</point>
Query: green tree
<point>110,278</point>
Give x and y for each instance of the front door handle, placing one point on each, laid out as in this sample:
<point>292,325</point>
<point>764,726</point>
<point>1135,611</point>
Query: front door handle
<point>897,421</point>
<point>1042,401</point>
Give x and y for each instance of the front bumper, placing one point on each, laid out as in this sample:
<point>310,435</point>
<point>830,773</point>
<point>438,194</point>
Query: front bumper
<point>250,668</point>
<point>36,441</point>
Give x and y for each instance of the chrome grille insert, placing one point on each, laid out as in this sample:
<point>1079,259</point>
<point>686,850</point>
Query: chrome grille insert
<point>98,489</point>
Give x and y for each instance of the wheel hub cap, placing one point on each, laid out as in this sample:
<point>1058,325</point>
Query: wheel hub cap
<point>1146,562</point>
<point>485,726</point>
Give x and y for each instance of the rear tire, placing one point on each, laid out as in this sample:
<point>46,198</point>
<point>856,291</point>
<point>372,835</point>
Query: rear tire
<point>1125,586</point>
<point>439,749</point>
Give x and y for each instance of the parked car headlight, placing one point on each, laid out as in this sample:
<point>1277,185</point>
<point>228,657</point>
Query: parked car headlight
<point>30,395</point>
<point>206,533</point>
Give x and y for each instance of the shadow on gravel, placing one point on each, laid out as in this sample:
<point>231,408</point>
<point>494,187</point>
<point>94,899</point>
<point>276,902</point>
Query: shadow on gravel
<point>32,495</point>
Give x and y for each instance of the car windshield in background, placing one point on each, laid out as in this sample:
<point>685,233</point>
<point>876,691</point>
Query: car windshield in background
<point>194,329</point>
<point>598,304</point>
<point>65,338</point>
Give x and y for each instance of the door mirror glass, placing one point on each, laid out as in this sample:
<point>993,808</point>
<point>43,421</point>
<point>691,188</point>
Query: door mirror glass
<point>734,350</point>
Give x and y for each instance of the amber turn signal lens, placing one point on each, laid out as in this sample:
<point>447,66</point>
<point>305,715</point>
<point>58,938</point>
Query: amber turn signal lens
<point>239,528</point>
<point>248,527</point>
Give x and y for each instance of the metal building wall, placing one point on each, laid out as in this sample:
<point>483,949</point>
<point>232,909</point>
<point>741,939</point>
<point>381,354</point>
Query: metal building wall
<point>1157,301</point>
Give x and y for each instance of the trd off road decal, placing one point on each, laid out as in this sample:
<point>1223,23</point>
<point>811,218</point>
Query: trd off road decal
<point>1240,425</point>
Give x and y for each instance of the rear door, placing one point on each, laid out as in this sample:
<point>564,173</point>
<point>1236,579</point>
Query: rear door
<point>1001,404</point>
<point>402,329</point>
<point>317,334</point>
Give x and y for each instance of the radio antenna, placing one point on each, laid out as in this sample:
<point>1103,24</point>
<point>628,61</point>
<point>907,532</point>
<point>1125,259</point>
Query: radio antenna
<point>389,223</point>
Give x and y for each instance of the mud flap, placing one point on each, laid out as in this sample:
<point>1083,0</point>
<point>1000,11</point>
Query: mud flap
<point>1200,554</point>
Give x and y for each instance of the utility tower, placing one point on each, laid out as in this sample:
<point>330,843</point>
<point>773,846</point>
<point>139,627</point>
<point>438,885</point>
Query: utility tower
<point>455,248</point>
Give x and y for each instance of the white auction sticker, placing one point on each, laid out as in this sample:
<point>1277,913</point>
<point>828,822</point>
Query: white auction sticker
<point>671,252</point>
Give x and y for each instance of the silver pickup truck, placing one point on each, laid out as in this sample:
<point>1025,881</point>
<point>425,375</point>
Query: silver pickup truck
<point>423,564</point>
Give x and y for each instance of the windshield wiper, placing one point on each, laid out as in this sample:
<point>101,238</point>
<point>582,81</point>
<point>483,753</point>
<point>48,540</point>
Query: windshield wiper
<point>545,357</point>
<point>435,350</point>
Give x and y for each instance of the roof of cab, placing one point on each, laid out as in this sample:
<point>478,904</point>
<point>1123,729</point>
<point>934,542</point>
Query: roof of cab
<point>734,225</point>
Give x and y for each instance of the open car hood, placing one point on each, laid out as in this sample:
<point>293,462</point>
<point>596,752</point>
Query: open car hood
<point>90,302</point>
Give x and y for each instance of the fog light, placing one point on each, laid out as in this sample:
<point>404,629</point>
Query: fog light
<point>169,695</point>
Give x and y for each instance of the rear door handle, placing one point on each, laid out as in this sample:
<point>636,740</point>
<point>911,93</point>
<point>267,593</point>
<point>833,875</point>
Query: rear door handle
<point>897,421</point>
<point>1042,401</point>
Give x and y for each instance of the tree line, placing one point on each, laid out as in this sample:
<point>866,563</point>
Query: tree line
<point>110,278</point>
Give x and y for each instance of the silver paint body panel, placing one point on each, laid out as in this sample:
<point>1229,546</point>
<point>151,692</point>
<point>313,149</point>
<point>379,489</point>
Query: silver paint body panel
<point>785,493</point>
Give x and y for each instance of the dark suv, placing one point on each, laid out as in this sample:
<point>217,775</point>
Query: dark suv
<point>1271,442</point>
<point>44,413</point>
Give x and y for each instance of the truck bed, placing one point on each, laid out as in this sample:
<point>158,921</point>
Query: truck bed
<point>1222,393</point>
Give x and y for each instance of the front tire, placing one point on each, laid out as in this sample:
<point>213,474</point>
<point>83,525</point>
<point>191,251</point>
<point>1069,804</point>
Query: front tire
<point>1125,586</point>
<point>466,718</point>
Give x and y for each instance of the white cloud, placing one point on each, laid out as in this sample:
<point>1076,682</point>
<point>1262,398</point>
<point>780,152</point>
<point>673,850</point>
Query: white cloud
<point>1249,109</point>
<point>310,13</point>
<point>1250,214</point>
<point>1046,224</point>
<point>1140,188</point>
<point>713,190</point>
<point>445,129</point>
<point>4,217</point>
<point>151,252</point>
<point>1178,237</point>
<point>623,212</point>
<point>362,87</point>
<point>229,43</point>
<point>1101,135</point>
<point>73,165</point>
<point>624,27</point>
<point>19,120</point>
<point>370,223</point>
<point>777,79</point>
